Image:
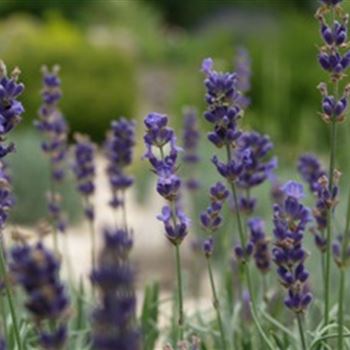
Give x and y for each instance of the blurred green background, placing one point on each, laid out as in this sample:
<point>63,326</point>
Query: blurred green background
<point>129,57</point>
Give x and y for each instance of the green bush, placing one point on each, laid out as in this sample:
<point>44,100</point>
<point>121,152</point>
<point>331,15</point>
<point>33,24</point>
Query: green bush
<point>98,81</point>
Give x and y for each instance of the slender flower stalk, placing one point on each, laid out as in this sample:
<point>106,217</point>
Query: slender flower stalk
<point>85,173</point>
<point>335,62</point>
<point>223,113</point>
<point>53,126</point>
<point>211,221</point>
<point>118,147</point>
<point>159,137</point>
<point>36,269</point>
<point>114,319</point>
<point>11,110</point>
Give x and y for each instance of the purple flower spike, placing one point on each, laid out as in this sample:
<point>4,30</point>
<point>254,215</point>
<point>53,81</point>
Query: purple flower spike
<point>243,69</point>
<point>158,136</point>
<point>113,320</point>
<point>36,269</point>
<point>208,247</point>
<point>118,147</point>
<point>290,220</point>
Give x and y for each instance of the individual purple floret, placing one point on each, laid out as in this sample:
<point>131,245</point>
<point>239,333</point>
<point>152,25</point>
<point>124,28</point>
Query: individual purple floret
<point>261,252</point>
<point>10,108</point>
<point>85,172</point>
<point>331,2</point>
<point>342,259</point>
<point>159,136</point>
<point>36,269</point>
<point>119,147</point>
<point>290,220</point>
<point>311,170</point>
<point>113,321</point>
<point>243,70</point>
<point>190,140</point>
<point>223,110</point>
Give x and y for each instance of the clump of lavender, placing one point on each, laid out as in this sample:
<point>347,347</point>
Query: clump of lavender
<point>190,141</point>
<point>290,220</point>
<point>119,145</point>
<point>243,70</point>
<point>36,269</point>
<point>85,173</point>
<point>257,168</point>
<point>160,138</point>
<point>224,112</point>
<point>53,126</point>
<point>334,58</point>
<point>114,324</point>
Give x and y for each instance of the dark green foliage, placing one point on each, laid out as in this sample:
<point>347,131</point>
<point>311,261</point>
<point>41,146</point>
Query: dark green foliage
<point>149,316</point>
<point>98,81</point>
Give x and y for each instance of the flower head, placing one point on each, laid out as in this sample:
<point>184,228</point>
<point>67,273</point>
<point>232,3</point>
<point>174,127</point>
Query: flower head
<point>118,147</point>
<point>114,319</point>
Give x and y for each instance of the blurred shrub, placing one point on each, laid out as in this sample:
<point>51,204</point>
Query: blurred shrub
<point>29,170</point>
<point>98,81</point>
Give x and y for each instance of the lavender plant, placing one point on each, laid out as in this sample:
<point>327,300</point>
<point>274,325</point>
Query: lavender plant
<point>119,152</point>
<point>53,126</point>
<point>158,136</point>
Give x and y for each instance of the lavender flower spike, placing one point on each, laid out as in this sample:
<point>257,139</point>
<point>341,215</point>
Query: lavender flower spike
<point>36,269</point>
<point>10,108</point>
<point>85,172</point>
<point>190,145</point>
<point>113,320</point>
<point>243,70</point>
<point>118,146</point>
<point>290,220</point>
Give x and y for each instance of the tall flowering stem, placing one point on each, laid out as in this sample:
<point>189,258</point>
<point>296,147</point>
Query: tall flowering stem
<point>53,126</point>
<point>290,220</point>
<point>114,319</point>
<point>190,142</point>
<point>211,221</point>
<point>11,110</point>
<point>223,113</point>
<point>118,147</point>
<point>162,153</point>
<point>36,269</point>
<point>85,173</point>
<point>335,62</point>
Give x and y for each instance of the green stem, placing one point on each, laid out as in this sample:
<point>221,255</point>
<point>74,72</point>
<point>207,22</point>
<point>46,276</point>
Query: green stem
<point>10,299</point>
<point>216,305</point>
<point>301,331</point>
<point>245,266</point>
<point>329,226</point>
<point>179,289</point>
<point>342,267</point>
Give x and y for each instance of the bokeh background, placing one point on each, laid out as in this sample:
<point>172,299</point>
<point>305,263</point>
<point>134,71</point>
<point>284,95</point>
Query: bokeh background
<point>130,57</point>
